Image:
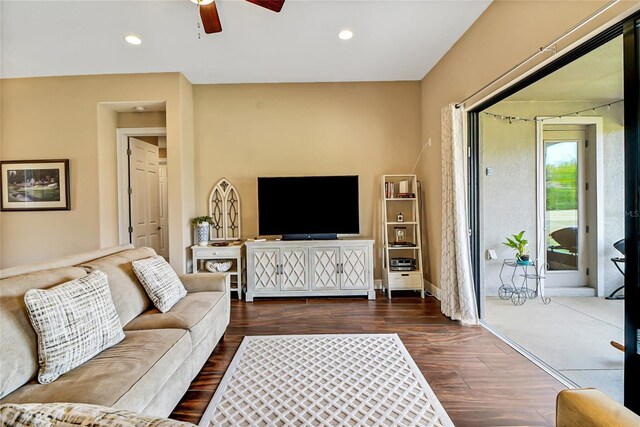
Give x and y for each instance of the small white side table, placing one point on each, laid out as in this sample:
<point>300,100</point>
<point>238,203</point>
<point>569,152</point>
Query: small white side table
<point>233,252</point>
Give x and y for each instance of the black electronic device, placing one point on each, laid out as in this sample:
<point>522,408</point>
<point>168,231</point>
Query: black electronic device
<point>403,262</point>
<point>308,207</point>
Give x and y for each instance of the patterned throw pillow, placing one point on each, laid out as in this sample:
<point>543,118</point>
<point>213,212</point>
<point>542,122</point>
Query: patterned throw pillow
<point>77,414</point>
<point>160,281</point>
<point>74,322</point>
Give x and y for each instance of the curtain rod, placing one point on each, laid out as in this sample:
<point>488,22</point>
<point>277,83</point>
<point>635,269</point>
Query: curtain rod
<point>548,47</point>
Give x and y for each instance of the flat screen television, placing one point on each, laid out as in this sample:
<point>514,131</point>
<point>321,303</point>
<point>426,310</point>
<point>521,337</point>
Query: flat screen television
<point>309,207</point>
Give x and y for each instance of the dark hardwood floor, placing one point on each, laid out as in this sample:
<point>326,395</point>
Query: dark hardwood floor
<point>479,380</point>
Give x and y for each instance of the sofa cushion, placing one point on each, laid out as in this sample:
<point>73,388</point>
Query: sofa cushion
<point>19,361</point>
<point>127,375</point>
<point>196,313</point>
<point>128,294</point>
<point>74,321</point>
<point>160,281</point>
<point>78,414</point>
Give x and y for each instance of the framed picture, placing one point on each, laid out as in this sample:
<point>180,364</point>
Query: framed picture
<point>35,185</point>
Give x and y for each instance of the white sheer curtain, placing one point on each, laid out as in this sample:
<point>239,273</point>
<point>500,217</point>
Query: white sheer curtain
<point>457,293</point>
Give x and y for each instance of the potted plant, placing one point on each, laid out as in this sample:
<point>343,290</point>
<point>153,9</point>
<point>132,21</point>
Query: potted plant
<point>519,244</point>
<point>202,224</point>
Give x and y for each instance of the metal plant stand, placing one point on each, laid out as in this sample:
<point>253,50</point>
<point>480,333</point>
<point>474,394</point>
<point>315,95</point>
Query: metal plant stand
<point>519,292</point>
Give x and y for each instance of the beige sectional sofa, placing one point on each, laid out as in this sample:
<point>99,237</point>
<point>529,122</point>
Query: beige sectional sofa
<point>149,371</point>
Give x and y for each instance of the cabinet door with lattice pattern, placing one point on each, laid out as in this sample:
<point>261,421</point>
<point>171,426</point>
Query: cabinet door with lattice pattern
<point>265,269</point>
<point>324,268</point>
<point>294,269</point>
<point>354,268</point>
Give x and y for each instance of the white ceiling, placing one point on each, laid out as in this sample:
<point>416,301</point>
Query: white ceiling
<point>596,76</point>
<point>393,40</point>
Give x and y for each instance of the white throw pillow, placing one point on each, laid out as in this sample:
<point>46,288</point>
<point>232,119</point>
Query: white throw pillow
<point>74,321</point>
<point>160,281</point>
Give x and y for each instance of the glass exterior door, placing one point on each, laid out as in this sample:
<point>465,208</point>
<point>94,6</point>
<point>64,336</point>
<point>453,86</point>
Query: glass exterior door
<point>564,216</point>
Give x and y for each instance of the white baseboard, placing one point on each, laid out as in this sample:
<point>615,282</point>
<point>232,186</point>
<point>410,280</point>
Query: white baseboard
<point>432,289</point>
<point>377,284</point>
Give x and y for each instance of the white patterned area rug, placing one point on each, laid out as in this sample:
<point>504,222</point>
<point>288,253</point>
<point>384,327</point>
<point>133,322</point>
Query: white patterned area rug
<point>324,380</point>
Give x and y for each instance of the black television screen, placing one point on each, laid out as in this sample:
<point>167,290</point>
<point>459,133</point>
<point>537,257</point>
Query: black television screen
<point>308,205</point>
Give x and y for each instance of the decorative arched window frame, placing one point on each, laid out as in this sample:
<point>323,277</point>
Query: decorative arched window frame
<point>224,208</point>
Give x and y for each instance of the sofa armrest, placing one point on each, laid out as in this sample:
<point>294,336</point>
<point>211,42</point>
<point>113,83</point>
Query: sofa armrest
<point>206,282</point>
<point>37,414</point>
<point>589,407</point>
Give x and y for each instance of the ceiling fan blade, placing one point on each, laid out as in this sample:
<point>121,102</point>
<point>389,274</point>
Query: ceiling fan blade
<point>274,5</point>
<point>210,18</point>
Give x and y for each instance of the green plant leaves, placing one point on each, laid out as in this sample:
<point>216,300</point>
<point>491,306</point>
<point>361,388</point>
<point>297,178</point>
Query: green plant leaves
<point>518,243</point>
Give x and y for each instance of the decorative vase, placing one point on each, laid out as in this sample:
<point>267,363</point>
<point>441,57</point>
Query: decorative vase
<point>524,258</point>
<point>203,234</point>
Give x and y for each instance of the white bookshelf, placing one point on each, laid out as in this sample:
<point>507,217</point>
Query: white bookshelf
<point>400,195</point>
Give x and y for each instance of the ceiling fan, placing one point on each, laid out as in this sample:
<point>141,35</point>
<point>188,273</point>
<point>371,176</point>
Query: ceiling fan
<point>211,20</point>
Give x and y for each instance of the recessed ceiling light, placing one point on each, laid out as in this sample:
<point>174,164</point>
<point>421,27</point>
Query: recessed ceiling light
<point>131,39</point>
<point>202,2</point>
<point>345,34</point>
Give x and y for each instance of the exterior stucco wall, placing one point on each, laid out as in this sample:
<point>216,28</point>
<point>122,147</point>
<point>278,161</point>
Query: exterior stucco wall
<point>509,195</point>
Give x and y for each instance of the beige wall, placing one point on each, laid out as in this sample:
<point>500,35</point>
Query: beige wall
<point>246,131</point>
<point>505,34</point>
<point>72,123</point>
<point>242,131</point>
<point>148,119</point>
<point>108,205</point>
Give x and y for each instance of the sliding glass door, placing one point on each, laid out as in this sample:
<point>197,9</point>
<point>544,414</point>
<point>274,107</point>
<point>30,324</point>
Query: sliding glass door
<point>560,214</point>
<point>631,30</point>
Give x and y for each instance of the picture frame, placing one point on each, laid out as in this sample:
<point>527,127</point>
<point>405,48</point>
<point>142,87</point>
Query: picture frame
<point>34,185</point>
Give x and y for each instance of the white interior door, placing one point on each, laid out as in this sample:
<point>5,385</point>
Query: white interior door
<point>566,221</point>
<point>164,209</point>
<point>144,194</point>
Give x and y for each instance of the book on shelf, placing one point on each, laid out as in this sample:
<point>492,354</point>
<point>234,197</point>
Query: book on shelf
<point>389,190</point>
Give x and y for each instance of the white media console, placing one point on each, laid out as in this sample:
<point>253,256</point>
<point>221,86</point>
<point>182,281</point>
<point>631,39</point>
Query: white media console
<point>301,268</point>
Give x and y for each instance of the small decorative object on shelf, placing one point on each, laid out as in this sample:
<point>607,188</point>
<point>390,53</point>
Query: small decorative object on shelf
<point>218,266</point>
<point>401,257</point>
<point>202,224</point>
<point>401,235</point>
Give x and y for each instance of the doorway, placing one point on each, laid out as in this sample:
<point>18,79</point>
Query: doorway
<point>571,231</point>
<point>143,186</point>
